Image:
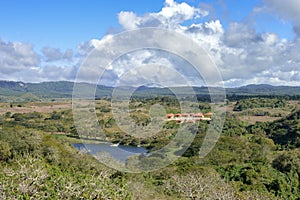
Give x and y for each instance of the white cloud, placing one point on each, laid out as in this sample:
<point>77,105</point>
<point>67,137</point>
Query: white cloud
<point>19,62</point>
<point>172,14</point>
<point>53,72</point>
<point>55,54</point>
<point>147,66</point>
<point>16,56</point>
<point>180,12</point>
<point>239,35</point>
<point>242,54</point>
<point>128,20</point>
<point>152,74</point>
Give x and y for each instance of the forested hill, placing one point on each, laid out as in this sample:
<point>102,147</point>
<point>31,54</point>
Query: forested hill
<point>64,89</point>
<point>58,89</point>
<point>286,131</point>
<point>265,89</point>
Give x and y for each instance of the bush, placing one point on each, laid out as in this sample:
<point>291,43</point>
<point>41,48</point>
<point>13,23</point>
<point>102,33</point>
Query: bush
<point>22,141</point>
<point>5,151</point>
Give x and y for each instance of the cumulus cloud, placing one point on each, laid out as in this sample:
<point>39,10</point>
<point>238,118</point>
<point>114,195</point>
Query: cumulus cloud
<point>128,20</point>
<point>55,54</point>
<point>177,13</point>
<point>172,14</point>
<point>154,67</point>
<point>41,74</point>
<point>19,62</point>
<point>240,35</point>
<point>16,56</point>
<point>53,72</point>
<point>243,55</point>
<point>84,48</point>
<point>247,59</point>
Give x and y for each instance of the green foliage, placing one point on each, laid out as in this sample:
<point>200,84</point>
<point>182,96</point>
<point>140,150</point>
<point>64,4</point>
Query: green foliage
<point>286,131</point>
<point>288,162</point>
<point>258,128</point>
<point>18,117</point>
<point>40,166</point>
<point>259,103</point>
<point>204,107</point>
<point>262,178</point>
<point>193,149</point>
<point>55,116</point>
<point>7,114</point>
<point>110,123</point>
<point>171,125</point>
<point>140,119</point>
<point>104,109</point>
<point>5,151</point>
<point>32,178</point>
<point>244,164</point>
<point>233,126</point>
<point>21,141</point>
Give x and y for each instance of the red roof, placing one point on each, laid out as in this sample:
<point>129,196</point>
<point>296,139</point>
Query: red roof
<point>199,115</point>
<point>209,114</point>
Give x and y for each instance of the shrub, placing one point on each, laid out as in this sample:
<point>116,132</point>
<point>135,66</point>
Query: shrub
<point>5,151</point>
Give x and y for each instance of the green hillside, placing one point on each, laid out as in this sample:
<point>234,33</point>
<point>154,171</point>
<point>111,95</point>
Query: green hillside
<point>286,131</point>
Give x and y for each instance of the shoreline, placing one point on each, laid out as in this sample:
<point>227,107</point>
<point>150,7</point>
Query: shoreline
<point>73,139</point>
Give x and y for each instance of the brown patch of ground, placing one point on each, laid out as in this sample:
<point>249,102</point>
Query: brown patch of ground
<point>40,107</point>
<point>254,119</point>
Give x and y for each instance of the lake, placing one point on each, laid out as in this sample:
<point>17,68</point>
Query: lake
<point>120,152</point>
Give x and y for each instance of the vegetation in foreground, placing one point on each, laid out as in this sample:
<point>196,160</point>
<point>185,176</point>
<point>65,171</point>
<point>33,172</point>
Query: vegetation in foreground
<point>250,161</point>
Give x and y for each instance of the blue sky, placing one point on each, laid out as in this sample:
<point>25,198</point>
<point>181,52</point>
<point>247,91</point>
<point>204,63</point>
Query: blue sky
<point>65,24</point>
<point>51,34</point>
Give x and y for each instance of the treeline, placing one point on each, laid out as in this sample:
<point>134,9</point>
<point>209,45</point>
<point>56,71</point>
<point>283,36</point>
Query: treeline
<point>259,103</point>
<point>230,97</point>
<point>237,97</point>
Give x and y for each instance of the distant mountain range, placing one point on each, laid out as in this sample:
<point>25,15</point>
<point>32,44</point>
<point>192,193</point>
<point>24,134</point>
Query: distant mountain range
<point>64,89</point>
<point>264,89</point>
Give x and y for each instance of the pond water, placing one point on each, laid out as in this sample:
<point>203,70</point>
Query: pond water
<point>120,152</point>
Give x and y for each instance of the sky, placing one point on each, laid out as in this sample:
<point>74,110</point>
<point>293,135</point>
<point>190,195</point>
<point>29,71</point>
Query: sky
<point>250,41</point>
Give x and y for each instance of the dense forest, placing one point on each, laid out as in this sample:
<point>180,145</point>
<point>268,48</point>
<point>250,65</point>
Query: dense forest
<point>259,160</point>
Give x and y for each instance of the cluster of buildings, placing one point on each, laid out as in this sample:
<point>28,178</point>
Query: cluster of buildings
<point>189,117</point>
